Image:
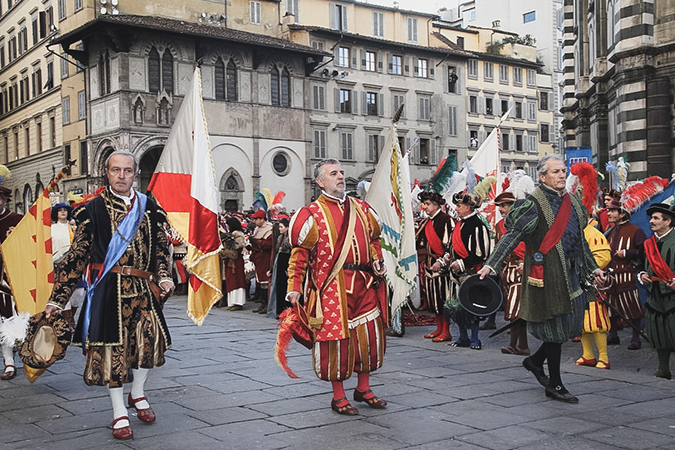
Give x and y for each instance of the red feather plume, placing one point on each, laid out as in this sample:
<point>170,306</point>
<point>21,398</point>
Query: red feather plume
<point>633,197</point>
<point>588,178</point>
<point>279,197</point>
<point>284,337</point>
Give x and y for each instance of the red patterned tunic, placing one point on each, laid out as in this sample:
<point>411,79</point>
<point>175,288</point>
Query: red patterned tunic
<point>345,302</point>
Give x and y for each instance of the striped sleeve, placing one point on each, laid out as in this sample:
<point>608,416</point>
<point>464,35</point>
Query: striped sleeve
<point>303,235</point>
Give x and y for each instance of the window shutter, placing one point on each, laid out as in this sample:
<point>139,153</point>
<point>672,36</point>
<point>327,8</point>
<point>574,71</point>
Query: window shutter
<point>551,134</point>
<point>420,111</point>
<point>380,105</point>
<point>432,144</point>
<point>406,66</point>
<point>415,67</point>
<point>417,153</point>
<point>497,107</point>
<point>513,109</point>
<point>337,100</point>
<point>355,107</point>
<point>526,143</point>
<point>363,60</point>
<point>333,16</point>
<point>380,62</point>
<point>354,59</point>
<point>389,65</point>
<point>446,81</point>
<point>381,140</point>
<point>407,146</point>
<point>364,103</point>
<point>481,105</point>
<point>431,70</point>
<point>512,142</point>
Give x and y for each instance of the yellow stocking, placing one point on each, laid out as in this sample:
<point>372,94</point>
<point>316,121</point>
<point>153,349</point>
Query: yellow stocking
<point>601,344</point>
<point>587,345</point>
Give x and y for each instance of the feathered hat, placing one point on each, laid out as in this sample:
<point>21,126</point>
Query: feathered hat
<point>587,181</point>
<point>633,197</point>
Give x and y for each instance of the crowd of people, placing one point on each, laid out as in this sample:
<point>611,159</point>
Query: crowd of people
<point>566,272</point>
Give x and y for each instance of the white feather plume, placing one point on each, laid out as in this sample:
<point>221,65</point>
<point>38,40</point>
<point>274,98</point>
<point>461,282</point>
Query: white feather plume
<point>520,184</point>
<point>13,329</point>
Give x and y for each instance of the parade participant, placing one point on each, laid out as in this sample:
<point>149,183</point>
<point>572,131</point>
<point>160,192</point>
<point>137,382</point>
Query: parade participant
<point>63,232</point>
<point>551,222</point>
<point>261,254</point>
<point>471,245</point>
<point>626,241</point>
<point>596,318</point>
<point>511,280</point>
<point>609,195</point>
<point>232,268</point>
<point>336,249</point>
<point>660,281</point>
<point>8,220</point>
<point>433,241</point>
<point>120,239</point>
<point>279,278</point>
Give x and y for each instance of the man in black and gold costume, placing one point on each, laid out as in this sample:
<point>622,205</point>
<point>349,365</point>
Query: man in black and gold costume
<point>433,241</point>
<point>120,238</point>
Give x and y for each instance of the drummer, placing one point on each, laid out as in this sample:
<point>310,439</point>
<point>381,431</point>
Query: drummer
<point>471,245</point>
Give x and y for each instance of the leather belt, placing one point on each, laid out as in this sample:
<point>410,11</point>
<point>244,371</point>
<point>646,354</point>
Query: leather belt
<point>361,267</point>
<point>125,270</point>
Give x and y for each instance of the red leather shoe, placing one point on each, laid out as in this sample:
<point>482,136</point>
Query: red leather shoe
<point>442,337</point>
<point>585,362</point>
<point>146,415</point>
<point>121,433</point>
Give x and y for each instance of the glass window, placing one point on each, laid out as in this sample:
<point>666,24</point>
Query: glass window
<point>519,110</point>
<point>503,74</point>
<point>529,17</point>
<point>517,76</point>
<point>489,106</point>
<point>473,104</point>
<point>371,103</point>
<point>543,101</point>
<point>422,68</point>
<point>343,57</point>
<point>473,68</point>
<point>345,101</point>
<point>488,71</point>
<point>544,127</point>
<point>396,65</point>
<point>370,62</point>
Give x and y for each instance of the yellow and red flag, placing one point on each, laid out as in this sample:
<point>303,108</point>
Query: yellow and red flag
<point>27,253</point>
<point>184,184</point>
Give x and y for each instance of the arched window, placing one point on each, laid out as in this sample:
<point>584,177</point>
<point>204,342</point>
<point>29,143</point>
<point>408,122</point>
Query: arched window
<point>167,71</point>
<point>160,71</point>
<point>220,79</point>
<point>153,70</point>
<point>104,74</point>
<point>285,88</point>
<point>274,88</point>
<point>280,87</point>
<point>231,81</point>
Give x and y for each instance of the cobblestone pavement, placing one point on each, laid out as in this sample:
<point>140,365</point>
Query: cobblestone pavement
<point>222,389</point>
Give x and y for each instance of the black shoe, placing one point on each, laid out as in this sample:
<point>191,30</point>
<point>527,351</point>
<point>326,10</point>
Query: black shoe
<point>662,374</point>
<point>613,340</point>
<point>561,394</point>
<point>488,326</point>
<point>537,371</point>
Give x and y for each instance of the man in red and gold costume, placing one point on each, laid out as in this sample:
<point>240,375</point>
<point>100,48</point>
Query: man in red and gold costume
<point>335,263</point>
<point>433,240</point>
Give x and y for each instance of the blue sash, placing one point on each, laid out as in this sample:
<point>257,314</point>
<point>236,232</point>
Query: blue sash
<point>123,235</point>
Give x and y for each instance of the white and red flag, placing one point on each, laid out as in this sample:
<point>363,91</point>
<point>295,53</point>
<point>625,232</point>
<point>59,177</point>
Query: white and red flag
<point>184,184</point>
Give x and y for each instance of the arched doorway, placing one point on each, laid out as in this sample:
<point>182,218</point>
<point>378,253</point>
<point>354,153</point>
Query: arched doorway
<point>231,191</point>
<point>147,167</point>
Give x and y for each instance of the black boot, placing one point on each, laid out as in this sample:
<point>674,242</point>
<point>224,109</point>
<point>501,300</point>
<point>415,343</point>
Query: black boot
<point>263,302</point>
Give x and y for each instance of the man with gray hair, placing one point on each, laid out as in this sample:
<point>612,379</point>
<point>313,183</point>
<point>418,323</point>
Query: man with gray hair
<point>120,241</point>
<point>557,261</point>
<point>336,249</point>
